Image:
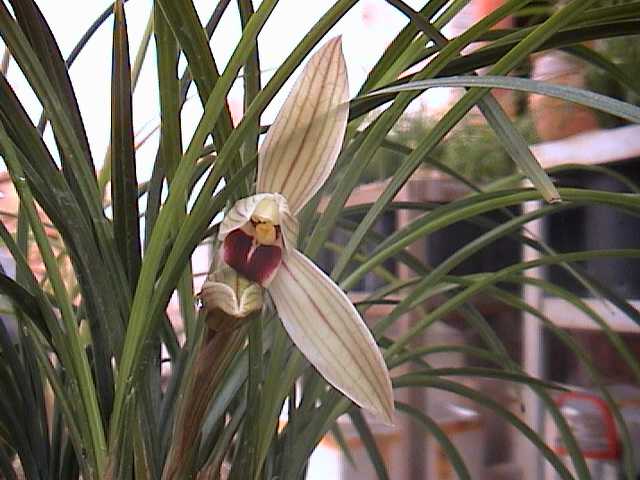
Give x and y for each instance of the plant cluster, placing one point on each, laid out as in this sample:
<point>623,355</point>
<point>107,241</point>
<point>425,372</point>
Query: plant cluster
<point>96,381</point>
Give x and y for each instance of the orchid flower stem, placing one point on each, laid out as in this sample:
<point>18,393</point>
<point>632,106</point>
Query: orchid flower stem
<point>248,468</point>
<point>215,352</point>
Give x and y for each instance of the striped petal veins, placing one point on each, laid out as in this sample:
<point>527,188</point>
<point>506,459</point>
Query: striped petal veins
<point>259,235</point>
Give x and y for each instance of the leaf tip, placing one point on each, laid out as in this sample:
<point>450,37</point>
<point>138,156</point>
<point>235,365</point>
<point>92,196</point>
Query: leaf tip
<point>554,199</point>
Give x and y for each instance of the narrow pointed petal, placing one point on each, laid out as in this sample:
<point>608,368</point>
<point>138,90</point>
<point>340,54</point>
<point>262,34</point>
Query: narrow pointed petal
<point>289,228</point>
<point>303,142</point>
<point>328,330</point>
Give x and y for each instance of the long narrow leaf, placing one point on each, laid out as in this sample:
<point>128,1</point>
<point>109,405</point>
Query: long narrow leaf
<point>459,389</point>
<point>124,183</point>
<point>37,30</point>
<point>79,361</point>
<point>509,136</point>
<point>377,134</point>
<point>452,453</point>
<point>368,440</point>
<point>572,94</point>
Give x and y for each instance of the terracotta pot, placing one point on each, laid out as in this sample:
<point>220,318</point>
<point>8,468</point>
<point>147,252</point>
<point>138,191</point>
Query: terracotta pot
<point>554,118</point>
<point>485,7</point>
<point>482,8</point>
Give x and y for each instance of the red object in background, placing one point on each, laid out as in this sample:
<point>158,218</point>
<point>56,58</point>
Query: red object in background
<point>485,7</point>
<point>612,451</point>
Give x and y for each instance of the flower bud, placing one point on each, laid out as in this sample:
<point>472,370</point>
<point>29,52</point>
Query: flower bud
<point>227,291</point>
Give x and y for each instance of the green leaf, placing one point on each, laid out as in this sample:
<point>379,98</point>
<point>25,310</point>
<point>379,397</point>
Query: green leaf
<point>518,149</point>
<point>419,352</point>
<point>405,57</point>
<point>23,300</point>
<point>489,280</point>
<point>70,144</point>
<point>204,208</point>
<point>369,443</point>
<point>484,372</point>
<point>59,203</point>
<point>376,135</point>
<point>252,84</point>
<point>25,394</point>
<point>338,436</point>
<point>450,450</point>
<point>34,25</point>
<point>470,207</point>
<point>495,407</point>
<point>488,55</point>
<point>580,96</point>
<point>246,465</point>
<point>183,19</point>
<point>94,259</point>
<point>385,64</point>
<point>453,116</point>
<point>170,149</point>
<point>75,358</point>
<point>510,137</point>
<point>124,183</point>
<point>19,437</point>
<point>65,400</point>
<point>613,337</point>
<point>599,60</point>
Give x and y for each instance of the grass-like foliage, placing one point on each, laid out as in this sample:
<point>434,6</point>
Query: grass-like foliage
<point>97,383</point>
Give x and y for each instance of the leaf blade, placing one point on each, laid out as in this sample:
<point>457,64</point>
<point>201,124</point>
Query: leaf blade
<point>124,183</point>
<point>580,96</point>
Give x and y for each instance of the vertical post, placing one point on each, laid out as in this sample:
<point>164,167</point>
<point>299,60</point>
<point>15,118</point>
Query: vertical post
<point>533,353</point>
<point>415,442</point>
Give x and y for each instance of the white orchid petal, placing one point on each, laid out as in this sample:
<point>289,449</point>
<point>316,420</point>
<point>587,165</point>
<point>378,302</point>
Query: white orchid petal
<point>243,209</point>
<point>302,145</point>
<point>328,330</point>
<point>239,214</point>
<point>289,228</point>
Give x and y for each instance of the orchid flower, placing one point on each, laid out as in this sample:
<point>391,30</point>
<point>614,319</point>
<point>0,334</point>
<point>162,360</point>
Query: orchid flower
<point>259,235</point>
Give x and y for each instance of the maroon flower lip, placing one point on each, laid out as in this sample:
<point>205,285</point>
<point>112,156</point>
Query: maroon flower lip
<point>256,262</point>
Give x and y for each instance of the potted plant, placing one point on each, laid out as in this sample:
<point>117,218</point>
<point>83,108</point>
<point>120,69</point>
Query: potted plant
<point>123,368</point>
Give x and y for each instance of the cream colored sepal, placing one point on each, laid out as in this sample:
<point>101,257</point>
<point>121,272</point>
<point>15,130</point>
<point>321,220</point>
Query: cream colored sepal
<point>303,142</point>
<point>328,330</point>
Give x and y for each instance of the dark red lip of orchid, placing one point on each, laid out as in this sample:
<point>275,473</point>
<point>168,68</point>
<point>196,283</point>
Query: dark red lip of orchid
<point>257,264</point>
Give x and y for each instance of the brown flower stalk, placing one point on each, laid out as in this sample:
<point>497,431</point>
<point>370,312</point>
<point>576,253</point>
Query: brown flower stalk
<point>229,301</point>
